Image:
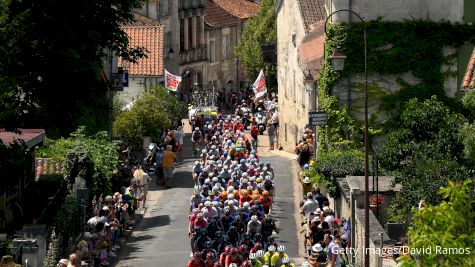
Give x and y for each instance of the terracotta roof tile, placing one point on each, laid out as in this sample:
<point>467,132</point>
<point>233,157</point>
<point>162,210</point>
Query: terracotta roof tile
<point>242,9</point>
<point>216,16</point>
<point>469,77</point>
<point>47,166</point>
<point>147,33</point>
<point>311,48</point>
<point>312,11</point>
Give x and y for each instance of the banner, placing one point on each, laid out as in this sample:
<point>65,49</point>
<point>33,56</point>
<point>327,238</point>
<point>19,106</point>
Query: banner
<point>259,86</point>
<point>172,81</point>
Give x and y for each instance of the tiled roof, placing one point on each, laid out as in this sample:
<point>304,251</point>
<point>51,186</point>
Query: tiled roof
<point>149,34</point>
<point>216,16</point>
<point>31,137</point>
<point>312,11</point>
<point>469,77</point>
<point>47,166</point>
<point>242,9</point>
<point>311,48</point>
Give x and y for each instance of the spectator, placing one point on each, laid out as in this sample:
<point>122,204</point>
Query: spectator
<point>271,132</point>
<point>168,165</point>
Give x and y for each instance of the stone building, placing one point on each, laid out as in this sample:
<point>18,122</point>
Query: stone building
<point>199,39</point>
<point>299,51</point>
<point>300,47</point>
<point>224,21</point>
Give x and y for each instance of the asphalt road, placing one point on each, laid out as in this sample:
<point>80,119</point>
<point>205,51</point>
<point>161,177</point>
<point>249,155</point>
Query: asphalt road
<point>160,238</point>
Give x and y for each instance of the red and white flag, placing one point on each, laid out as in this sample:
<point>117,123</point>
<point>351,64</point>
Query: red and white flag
<point>259,86</point>
<point>172,81</point>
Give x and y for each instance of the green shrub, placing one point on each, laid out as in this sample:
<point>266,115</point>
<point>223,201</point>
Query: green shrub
<point>335,164</point>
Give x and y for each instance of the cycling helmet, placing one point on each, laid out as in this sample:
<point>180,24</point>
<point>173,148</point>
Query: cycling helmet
<point>260,253</point>
<point>286,260</point>
<point>305,264</point>
<point>233,265</point>
<point>252,256</point>
<point>281,248</point>
<point>271,248</point>
<point>254,218</point>
<point>197,128</point>
<point>204,151</point>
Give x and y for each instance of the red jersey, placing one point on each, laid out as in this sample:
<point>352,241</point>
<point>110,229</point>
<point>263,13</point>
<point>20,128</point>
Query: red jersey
<point>267,202</point>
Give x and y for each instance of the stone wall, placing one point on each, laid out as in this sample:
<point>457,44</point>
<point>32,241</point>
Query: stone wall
<point>436,10</point>
<point>294,101</point>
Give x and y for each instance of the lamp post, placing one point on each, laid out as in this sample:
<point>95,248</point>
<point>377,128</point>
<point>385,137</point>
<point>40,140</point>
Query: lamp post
<point>338,59</point>
<point>311,88</point>
<point>171,53</point>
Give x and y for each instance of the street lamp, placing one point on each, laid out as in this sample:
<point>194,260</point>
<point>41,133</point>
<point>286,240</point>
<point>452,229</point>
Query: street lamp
<point>338,59</point>
<point>311,88</point>
<point>171,53</point>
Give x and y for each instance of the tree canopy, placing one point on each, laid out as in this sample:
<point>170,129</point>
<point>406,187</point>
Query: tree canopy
<point>425,153</point>
<point>152,113</point>
<point>260,29</point>
<point>448,229</point>
<point>52,56</point>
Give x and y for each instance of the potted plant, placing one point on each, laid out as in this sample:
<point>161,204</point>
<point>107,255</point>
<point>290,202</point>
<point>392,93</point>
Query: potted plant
<point>376,200</point>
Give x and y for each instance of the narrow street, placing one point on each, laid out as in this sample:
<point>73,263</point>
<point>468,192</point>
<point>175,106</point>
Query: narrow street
<point>160,238</point>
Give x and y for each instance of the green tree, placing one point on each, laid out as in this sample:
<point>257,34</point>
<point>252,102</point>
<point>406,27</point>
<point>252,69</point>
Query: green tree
<point>260,29</point>
<point>52,58</point>
<point>447,226</point>
<point>92,157</point>
<point>425,153</point>
<point>151,114</point>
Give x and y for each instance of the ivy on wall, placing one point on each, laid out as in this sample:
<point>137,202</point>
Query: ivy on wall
<point>394,48</point>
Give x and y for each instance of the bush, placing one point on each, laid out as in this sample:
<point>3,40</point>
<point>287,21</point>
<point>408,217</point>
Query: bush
<point>335,164</point>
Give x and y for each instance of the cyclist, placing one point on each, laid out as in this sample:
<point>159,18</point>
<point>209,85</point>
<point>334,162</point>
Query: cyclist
<point>196,137</point>
<point>254,134</point>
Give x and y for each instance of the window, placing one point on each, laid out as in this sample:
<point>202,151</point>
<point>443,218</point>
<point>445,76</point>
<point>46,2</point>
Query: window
<point>226,46</point>
<point>212,51</point>
<point>182,35</point>
<point>164,8</point>
<point>166,44</point>
<point>190,34</point>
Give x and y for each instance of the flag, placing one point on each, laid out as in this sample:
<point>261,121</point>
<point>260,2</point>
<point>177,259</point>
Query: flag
<point>172,81</point>
<point>259,86</point>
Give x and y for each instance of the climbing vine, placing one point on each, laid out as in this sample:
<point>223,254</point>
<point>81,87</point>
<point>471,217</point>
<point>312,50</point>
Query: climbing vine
<point>394,48</point>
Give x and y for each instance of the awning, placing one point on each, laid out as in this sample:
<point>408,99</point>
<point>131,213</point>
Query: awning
<point>31,137</point>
